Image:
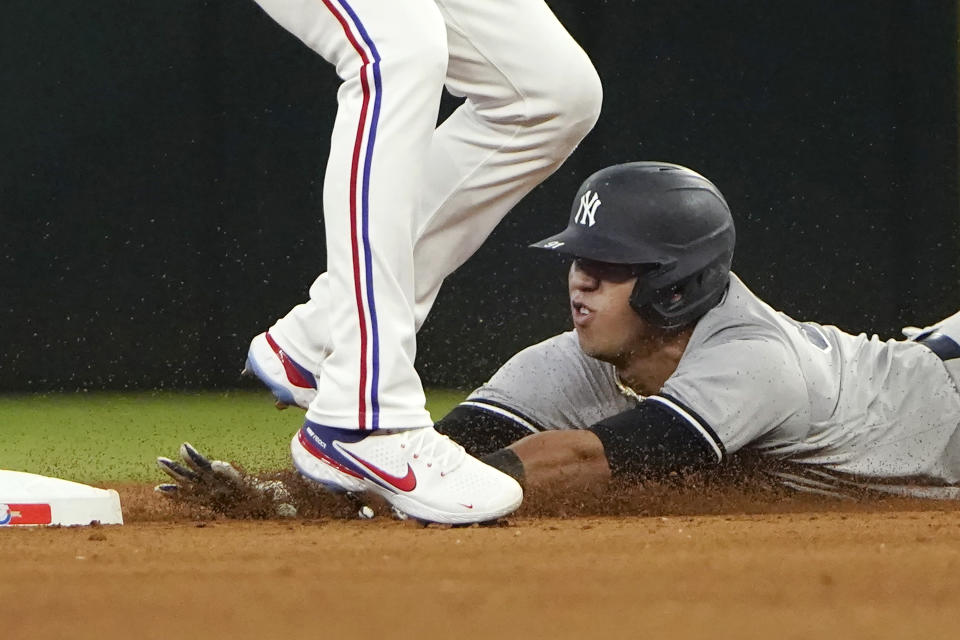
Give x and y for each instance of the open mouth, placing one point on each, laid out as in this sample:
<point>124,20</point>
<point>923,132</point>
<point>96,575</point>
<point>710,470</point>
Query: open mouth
<point>581,312</point>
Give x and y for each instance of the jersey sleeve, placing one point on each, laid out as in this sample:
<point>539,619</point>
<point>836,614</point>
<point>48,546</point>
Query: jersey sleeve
<point>552,385</point>
<point>737,391</point>
<point>482,428</point>
<point>655,439</point>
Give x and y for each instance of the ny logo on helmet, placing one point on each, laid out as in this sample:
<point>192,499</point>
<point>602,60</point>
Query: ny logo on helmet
<point>589,203</point>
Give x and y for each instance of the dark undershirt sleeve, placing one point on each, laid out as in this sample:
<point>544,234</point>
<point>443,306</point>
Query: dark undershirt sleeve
<point>658,437</point>
<point>483,427</point>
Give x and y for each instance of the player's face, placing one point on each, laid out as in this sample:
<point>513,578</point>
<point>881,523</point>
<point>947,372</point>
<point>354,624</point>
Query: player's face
<point>607,327</point>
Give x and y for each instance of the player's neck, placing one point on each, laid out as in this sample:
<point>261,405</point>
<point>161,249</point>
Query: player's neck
<point>646,368</point>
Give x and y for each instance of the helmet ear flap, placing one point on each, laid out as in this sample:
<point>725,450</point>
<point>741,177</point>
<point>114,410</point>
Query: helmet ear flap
<point>655,305</point>
<point>680,303</point>
<point>639,299</point>
<point>644,297</point>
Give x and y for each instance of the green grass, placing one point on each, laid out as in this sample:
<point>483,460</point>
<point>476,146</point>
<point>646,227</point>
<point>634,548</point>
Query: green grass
<point>115,437</point>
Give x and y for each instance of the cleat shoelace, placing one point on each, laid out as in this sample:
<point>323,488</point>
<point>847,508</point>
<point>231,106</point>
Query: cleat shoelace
<point>444,452</point>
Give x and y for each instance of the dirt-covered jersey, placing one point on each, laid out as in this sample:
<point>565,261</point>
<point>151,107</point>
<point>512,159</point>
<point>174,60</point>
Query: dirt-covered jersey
<point>752,377</point>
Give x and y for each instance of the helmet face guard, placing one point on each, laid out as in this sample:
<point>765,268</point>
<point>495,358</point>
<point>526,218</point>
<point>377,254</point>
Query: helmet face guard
<point>667,218</point>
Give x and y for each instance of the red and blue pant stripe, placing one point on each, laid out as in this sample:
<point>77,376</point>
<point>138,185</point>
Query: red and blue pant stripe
<point>360,169</point>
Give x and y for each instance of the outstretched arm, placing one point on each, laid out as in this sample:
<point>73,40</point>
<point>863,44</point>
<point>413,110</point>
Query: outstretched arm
<point>653,440</point>
<point>555,459</point>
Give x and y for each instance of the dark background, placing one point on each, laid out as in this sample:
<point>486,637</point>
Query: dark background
<point>161,176</point>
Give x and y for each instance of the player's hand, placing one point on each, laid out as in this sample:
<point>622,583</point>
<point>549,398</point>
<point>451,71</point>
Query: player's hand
<point>222,487</point>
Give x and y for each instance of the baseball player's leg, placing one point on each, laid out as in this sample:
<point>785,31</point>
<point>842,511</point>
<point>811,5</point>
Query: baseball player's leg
<point>392,60</point>
<point>531,95</point>
<point>943,338</point>
<point>288,357</point>
<point>367,427</point>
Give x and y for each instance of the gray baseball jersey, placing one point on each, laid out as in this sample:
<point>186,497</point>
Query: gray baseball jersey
<point>754,378</point>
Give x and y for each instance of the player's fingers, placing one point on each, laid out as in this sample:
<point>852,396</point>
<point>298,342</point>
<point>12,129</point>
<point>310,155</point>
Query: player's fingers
<point>194,459</point>
<point>226,471</point>
<point>177,471</point>
<point>167,490</point>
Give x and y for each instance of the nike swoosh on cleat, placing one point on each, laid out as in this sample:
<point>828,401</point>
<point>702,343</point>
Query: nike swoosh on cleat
<point>404,483</point>
<point>468,506</point>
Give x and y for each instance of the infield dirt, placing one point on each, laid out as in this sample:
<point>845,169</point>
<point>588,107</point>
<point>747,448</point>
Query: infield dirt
<point>698,565</point>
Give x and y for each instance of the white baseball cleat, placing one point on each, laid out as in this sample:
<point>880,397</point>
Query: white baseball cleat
<point>420,472</point>
<point>291,383</point>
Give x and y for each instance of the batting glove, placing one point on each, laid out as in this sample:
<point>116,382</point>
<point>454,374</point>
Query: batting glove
<point>222,487</point>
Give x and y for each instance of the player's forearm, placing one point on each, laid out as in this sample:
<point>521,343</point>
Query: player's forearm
<point>554,459</point>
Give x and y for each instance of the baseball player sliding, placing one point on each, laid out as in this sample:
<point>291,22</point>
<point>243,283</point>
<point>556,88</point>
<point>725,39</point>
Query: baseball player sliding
<point>405,203</point>
<point>674,365</point>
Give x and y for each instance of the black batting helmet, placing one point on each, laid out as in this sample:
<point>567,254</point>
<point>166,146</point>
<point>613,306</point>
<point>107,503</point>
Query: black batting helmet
<point>670,221</point>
